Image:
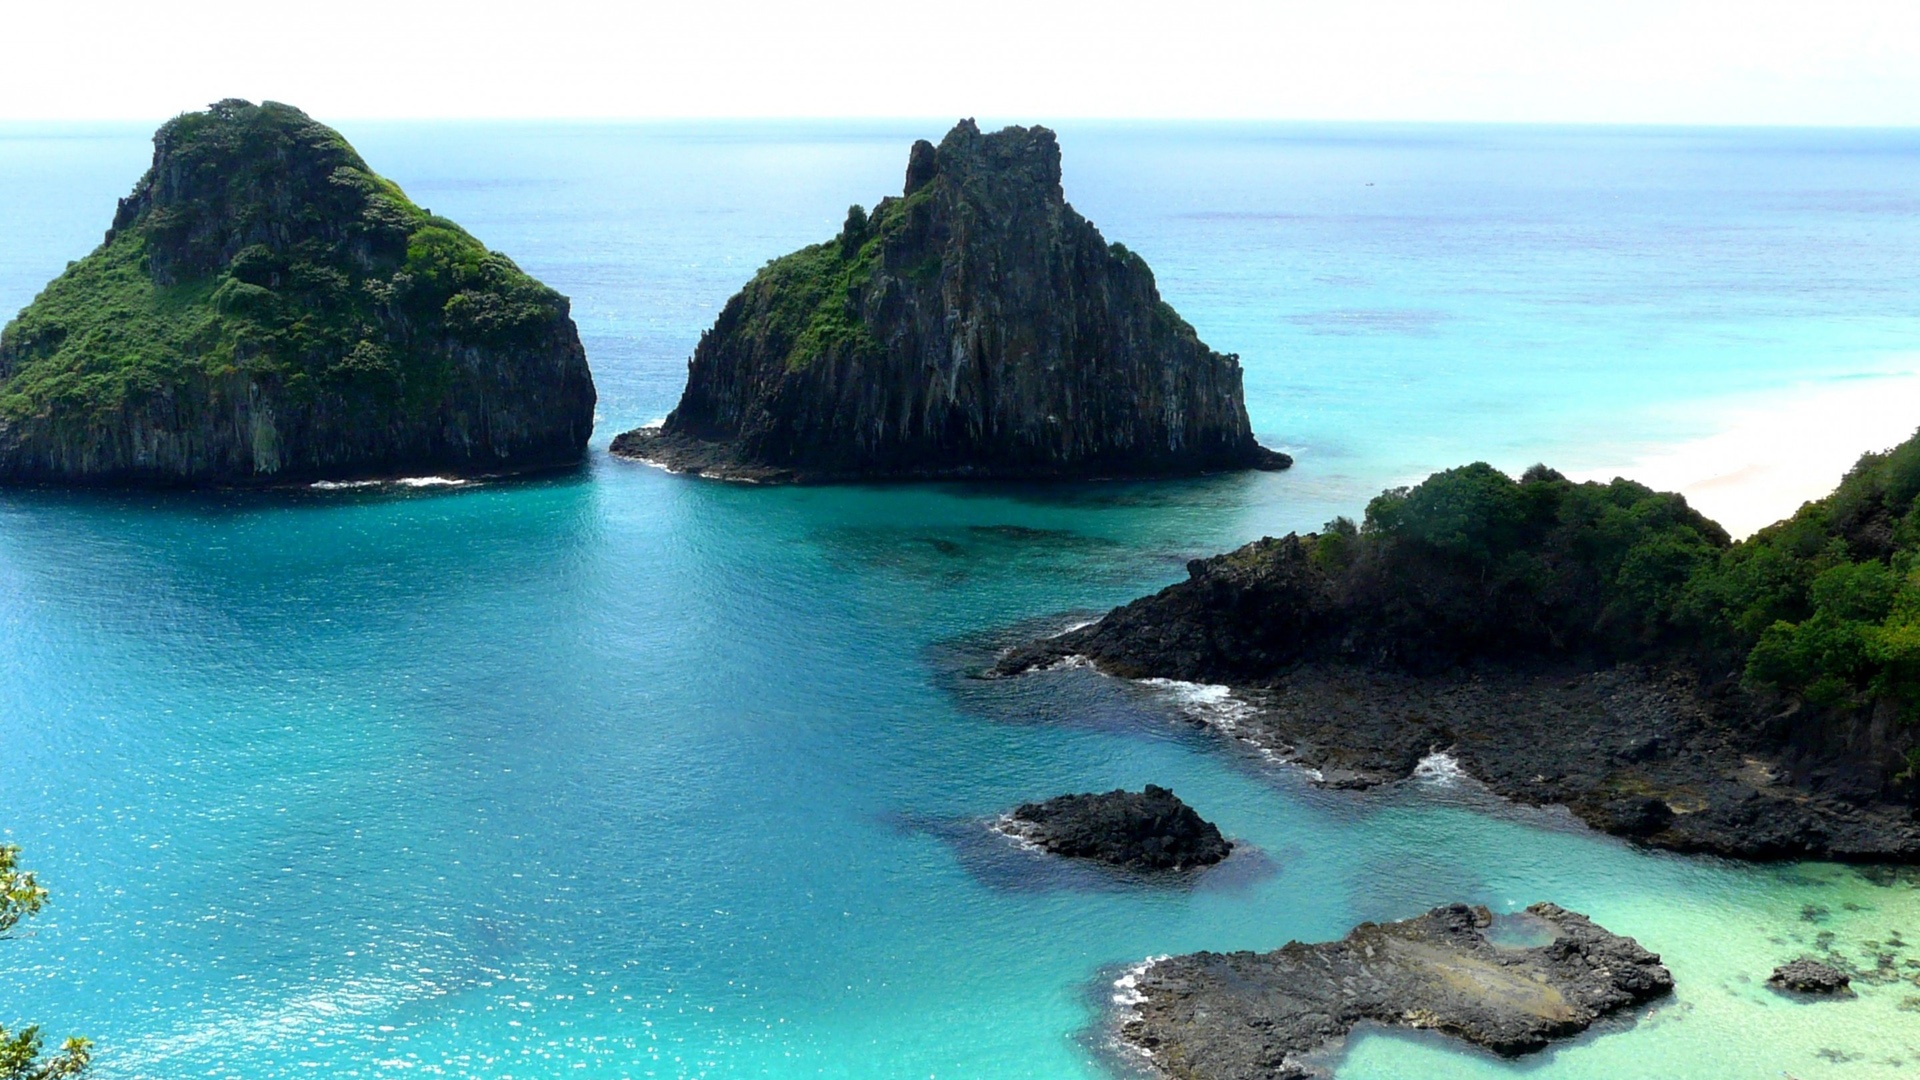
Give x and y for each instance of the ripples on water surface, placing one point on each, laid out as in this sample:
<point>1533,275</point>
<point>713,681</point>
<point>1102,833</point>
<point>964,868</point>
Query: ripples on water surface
<point>621,775</point>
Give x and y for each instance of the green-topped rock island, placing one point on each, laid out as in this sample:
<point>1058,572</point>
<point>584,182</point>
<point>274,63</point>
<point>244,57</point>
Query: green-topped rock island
<point>267,310</point>
<point>974,327</point>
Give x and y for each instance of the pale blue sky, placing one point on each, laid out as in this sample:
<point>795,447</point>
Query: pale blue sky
<point>1671,61</point>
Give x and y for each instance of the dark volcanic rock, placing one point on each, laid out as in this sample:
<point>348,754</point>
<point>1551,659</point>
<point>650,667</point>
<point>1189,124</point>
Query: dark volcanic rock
<point>975,327</point>
<point>267,310</point>
<point>1648,751</point>
<point>1149,830</point>
<point>1260,1016</point>
<point>1809,976</point>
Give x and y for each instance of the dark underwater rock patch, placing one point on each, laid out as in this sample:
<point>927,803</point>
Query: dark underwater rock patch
<point>1149,830</point>
<point>1809,976</point>
<point>1264,1016</point>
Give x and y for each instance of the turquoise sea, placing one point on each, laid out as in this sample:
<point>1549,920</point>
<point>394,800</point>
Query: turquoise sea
<point>618,774</point>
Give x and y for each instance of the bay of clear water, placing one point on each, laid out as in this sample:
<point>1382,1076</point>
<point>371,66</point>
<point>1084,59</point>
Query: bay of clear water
<point>623,775</point>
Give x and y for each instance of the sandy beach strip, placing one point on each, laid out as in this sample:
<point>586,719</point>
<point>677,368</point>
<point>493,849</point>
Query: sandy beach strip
<point>1771,453</point>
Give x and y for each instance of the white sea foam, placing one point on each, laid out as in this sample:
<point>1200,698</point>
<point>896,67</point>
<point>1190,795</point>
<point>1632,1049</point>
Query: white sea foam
<point>1126,988</point>
<point>1211,702</point>
<point>1439,768</point>
<point>1065,630</point>
<point>1015,830</point>
<point>1127,999</point>
<point>404,481</point>
<point>1218,707</point>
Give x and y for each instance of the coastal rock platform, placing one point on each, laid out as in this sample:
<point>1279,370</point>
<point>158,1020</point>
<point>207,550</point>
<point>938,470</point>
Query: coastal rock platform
<point>1266,1016</point>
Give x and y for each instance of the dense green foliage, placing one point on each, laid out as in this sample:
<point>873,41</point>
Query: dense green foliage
<point>260,243</point>
<point>21,1052</point>
<point>20,892</point>
<point>1827,602</point>
<point>808,302</point>
<point>1824,605</point>
<point>1472,562</point>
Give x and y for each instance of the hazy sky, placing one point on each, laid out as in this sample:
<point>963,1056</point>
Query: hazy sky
<point>1661,61</point>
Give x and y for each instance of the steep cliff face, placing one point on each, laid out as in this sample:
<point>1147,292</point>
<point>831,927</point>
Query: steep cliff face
<point>975,326</point>
<point>267,310</point>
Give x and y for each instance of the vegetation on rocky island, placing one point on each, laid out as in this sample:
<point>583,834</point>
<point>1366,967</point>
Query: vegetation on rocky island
<point>1821,609</point>
<point>22,1054</point>
<point>972,327</point>
<point>323,275</point>
<point>261,251</point>
<point>1824,605</point>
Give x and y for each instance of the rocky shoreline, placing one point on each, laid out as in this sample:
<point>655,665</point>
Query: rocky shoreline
<point>1637,752</point>
<point>1599,647</point>
<point>1267,1016</point>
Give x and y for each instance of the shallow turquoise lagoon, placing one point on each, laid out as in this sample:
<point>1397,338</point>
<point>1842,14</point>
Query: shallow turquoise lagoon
<point>619,775</point>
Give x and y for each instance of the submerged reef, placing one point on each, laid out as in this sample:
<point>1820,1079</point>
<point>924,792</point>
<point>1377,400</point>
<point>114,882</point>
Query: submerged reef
<point>1598,646</point>
<point>268,310</point>
<point>973,327</point>
<point>1266,1016</point>
<point>1809,976</point>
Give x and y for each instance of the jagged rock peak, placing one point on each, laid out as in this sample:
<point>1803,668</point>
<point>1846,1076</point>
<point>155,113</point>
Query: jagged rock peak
<point>1019,155</point>
<point>265,309</point>
<point>973,327</point>
<point>923,164</point>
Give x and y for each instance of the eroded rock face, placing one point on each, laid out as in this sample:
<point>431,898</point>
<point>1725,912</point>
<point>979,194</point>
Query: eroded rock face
<point>976,326</point>
<point>1809,976</point>
<point>267,310</point>
<point>1148,830</point>
<point>1263,1016</point>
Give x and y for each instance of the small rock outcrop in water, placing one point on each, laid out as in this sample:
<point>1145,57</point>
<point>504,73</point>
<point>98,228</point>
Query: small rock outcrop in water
<point>1809,976</point>
<point>974,327</point>
<point>1148,830</point>
<point>1262,1016</point>
<point>267,310</point>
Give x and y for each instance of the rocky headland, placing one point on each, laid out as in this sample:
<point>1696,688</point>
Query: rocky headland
<point>1149,830</point>
<point>1272,1016</point>
<point>973,327</point>
<point>1597,646</point>
<point>267,310</point>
